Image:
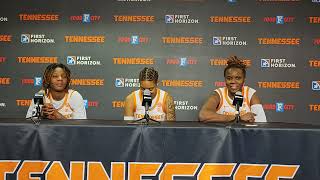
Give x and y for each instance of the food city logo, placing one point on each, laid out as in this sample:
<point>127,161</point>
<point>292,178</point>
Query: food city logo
<point>185,105</point>
<point>88,103</point>
<point>36,38</point>
<point>223,62</point>
<point>279,19</point>
<point>85,18</point>
<point>219,84</point>
<point>228,41</point>
<point>3,59</point>
<point>279,85</point>
<point>36,81</point>
<point>133,19</point>
<point>126,82</point>
<point>5,38</point>
<point>314,63</point>
<point>37,59</point>
<point>4,19</point>
<point>230,19</point>
<point>5,81</point>
<point>134,39</point>
<point>83,61</point>
<point>39,17</point>
<point>279,41</point>
<point>90,170</point>
<point>133,60</point>
<point>316,41</point>
<point>315,85</point>
<point>276,63</point>
<point>180,19</point>
<point>279,107</point>
<point>84,39</point>
<point>195,40</point>
<point>182,83</point>
<point>182,61</point>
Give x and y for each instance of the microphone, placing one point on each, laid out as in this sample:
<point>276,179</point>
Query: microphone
<point>237,101</point>
<point>147,99</point>
<point>38,98</point>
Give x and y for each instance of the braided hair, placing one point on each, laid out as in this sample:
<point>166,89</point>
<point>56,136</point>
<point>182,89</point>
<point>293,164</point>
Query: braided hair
<point>148,74</point>
<point>235,62</point>
<point>47,75</point>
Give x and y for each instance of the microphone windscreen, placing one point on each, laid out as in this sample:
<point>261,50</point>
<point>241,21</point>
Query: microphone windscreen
<point>38,97</point>
<point>238,93</point>
<point>146,92</point>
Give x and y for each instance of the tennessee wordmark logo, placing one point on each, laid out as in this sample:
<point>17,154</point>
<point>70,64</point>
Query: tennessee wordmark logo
<point>166,171</point>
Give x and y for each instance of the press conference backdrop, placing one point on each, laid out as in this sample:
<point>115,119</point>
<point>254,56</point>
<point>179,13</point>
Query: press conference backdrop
<point>107,43</point>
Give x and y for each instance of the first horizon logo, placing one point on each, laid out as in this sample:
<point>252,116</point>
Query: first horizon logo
<point>180,19</point>
<point>35,38</point>
<point>316,85</point>
<point>276,63</point>
<point>82,60</point>
<point>126,82</point>
<point>228,41</point>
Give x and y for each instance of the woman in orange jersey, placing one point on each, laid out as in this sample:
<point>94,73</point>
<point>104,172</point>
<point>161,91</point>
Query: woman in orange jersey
<point>162,107</point>
<point>60,102</point>
<point>219,108</point>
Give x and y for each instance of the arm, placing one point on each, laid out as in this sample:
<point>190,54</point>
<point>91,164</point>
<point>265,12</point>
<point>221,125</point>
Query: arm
<point>77,104</point>
<point>208,111</point>
<point>50,112</point>
<point>256,108</point>
<point>255,99</point>
<point>56,115</point>
<point>129,107</point>
<point>170,109</point>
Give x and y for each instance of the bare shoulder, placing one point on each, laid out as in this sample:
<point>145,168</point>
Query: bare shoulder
<point>130,97</point>
<point>212,102</point>
<point>214,98</point>
<point>255,99</point>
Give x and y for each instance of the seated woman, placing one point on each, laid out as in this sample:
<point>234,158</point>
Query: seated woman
<point>219,108</point>
<point>60,102</point>
<point>162,107</point>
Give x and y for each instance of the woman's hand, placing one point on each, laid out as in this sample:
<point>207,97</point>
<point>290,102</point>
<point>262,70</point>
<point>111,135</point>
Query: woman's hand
<point>248,117</point>
<point>48,110</point>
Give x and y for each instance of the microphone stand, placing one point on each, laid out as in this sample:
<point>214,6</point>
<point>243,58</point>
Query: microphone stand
<point>37,117</point>
<point>146,119</point>
<point>237,118</point>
